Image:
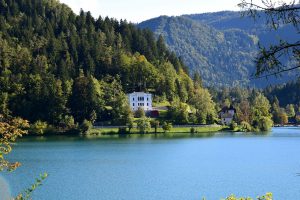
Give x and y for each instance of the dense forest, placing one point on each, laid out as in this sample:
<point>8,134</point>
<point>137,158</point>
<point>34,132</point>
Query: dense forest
<point>288,93</point>
<point>222,42</point>
<point>62,68</point>
<point>63,71</point>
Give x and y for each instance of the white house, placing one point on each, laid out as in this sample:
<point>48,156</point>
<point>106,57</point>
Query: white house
<point>227,114</point>
<point>140,100</point>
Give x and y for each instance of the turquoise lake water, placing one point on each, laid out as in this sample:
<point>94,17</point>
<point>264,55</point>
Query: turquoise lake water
<point>148,168</point>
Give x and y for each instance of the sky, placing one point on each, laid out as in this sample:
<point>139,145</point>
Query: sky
<point>140,10</point>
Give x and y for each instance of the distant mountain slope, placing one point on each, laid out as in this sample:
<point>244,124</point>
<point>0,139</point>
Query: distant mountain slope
<point>233,20</point>
<point>221,46</point>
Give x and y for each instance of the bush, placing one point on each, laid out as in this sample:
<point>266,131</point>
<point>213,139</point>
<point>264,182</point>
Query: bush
<point>143,125</point>
<point>140,113</point>
<point>265,124</point>
<point>268,196</point>
<point>166,126</point>
<point>67,122</point>
<point>155,125</point>
<point>193,130</point>
<point>85,126</point>
<point>38,127</point>
<point>245,126</point>
<point>122,130</point>
<point>130,124</point>
<point>233,125</point>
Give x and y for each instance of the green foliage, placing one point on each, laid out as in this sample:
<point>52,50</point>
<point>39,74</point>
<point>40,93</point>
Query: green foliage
<point>130,123</point>
<point>261,113</point>
<point>167,127</point>
<point>38,127</point>
<point>179,112</point>
<point>154,124</point>
<point>233,126</point>
<point>115,97</point>
<point>56,64</point>
<point>268,196</point>
<point>245,126</point>
<point>140,113</point>
<point>264,124</point>
<point>280,117</point>
<point>261,107</point>
<point>193,130</point>
<point>67,122</point>
<point>85,126</point>
<point>86,101</point>
<point>287,93</point>
<point>122,130</point>
<point>290,110</point>
<point>222,43</point>
<point>143,125</point>
<point>204,105</point>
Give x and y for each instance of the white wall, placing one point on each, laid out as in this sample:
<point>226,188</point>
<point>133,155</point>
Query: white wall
<point>140,99</point>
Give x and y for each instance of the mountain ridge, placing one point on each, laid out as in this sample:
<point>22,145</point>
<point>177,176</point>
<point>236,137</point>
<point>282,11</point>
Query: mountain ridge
<point>222,46</point>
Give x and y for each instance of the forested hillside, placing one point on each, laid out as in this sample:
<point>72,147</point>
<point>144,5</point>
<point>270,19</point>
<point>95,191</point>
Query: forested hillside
<point>221,42</point>
<point>59,67</point>
<point>288,93</point>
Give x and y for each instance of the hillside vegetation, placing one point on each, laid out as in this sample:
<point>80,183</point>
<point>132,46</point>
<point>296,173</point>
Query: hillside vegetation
<point>223,43</point>
<point>62,69</point>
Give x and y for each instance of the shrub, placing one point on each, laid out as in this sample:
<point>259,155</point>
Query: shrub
<point>265,124</point>
<point>143,125</point>
<point>140,113</point>
<point>267,196</point>
<point>130,124</point>
<point>122,130</point>
<point>193,130</point>
<point>67,122</point>
<point>166,126</point>
<point>38,127</point>
<point>245,126</point>
<point>233,125</point>
<point>85,126</point>
<point>155,125</point>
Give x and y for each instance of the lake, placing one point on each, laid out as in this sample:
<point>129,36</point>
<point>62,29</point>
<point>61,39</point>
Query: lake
<point>148,167</point>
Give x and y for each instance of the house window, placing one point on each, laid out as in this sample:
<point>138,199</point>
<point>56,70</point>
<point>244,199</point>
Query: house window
<point>132,99</point>
<point>147,104</point>
<point>140,98</point>
<point>133,104</point>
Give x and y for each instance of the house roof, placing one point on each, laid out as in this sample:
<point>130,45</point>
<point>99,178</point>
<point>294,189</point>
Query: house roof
<point>226,109</point>
<point>140,93</point>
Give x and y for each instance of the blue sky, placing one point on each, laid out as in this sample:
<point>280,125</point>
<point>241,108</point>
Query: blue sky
<point>139,10</point>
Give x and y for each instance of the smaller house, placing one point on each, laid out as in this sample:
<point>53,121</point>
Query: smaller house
<point>227,114</point>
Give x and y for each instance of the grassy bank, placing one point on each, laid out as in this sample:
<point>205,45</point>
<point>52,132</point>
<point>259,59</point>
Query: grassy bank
<point>174,130</point>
